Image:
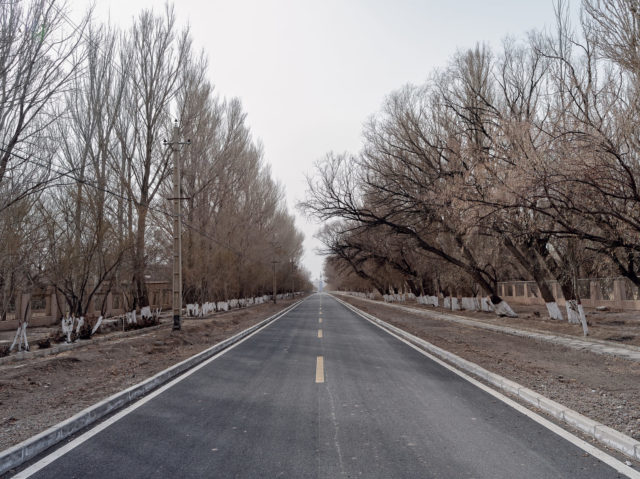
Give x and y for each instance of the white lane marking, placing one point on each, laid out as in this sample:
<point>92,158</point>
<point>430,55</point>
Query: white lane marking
<point>45,461</point>
<point>619,466</point>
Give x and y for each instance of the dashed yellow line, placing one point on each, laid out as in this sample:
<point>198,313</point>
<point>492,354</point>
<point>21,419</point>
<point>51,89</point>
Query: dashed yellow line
<point>320,369</point>
<point>319,333</point>
<point>319,320</point>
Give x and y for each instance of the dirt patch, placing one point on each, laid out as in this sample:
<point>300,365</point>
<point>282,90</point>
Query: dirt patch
<point>606,389</point>
<point>37,393</point>
<point>602,324</point>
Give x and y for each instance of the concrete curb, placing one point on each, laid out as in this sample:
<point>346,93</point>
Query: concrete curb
<point>28,449</point>
<point>601,433</point>
<point>631,353</point>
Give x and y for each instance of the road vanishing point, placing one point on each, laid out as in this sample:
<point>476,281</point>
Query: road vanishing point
<point>320,393</point>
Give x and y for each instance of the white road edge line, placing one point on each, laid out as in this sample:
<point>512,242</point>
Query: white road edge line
<point>45,461</point>
<point>616,464</point>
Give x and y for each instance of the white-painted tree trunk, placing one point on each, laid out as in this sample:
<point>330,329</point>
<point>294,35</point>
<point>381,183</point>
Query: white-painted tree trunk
<point>470,304</point>
<point>554,311</point>
<point>67,327</point>
<point>79,324</point>
<point>24,336</point>
<point>455,304</point>
<point>486,305</point>
<point>131,317</point>
<point>575,315</point>
<point>503,309</point>
<point>583,320</point>
<point>96,326</point>
<point>20,338</point>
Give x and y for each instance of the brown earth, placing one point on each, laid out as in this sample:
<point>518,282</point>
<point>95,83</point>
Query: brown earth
<point>37,393</point>
<point>606,389</point>
<point>622,327</point>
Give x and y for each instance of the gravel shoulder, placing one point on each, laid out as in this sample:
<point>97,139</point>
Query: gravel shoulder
<point>606,389</point>
<point>37,393</point>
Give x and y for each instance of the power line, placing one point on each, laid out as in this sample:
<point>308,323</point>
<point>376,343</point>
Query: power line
<point>69,174</point>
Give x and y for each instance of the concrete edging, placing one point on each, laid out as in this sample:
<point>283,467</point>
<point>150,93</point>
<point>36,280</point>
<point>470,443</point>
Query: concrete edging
<point>29,448</point>
<point>601,433</point>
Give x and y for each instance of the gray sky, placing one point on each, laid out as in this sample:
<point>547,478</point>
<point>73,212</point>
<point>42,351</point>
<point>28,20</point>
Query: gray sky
<point>309,73</point>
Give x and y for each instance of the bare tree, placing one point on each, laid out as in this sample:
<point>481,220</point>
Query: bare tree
<point>153,57</point>
<point>38,59</point>
<point>83,241</point>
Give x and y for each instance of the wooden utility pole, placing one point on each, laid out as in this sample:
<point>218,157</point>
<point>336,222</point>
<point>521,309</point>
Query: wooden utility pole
<point>177,227</point>
<point>293,288</point>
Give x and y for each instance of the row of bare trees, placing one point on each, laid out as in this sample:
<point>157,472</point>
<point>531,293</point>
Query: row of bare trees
<point>84,110</point>
<point>516,164</point>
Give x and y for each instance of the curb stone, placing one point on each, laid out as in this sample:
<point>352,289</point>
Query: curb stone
<point>28,449</point>
<point>595,346</point>
<point>601,433</point>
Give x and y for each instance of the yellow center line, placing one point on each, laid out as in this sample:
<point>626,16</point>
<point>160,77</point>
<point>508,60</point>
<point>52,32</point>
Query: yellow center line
<point>319,333</point>
<point>319,320</point>
<point>320,369</point>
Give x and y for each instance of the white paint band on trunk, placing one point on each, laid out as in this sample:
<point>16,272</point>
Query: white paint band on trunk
<point>503,309</point>
<point>554,311</point>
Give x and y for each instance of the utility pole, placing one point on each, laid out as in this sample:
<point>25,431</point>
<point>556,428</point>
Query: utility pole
<point>293,288</point>
<point>274,280</point>
<point>177,227</point>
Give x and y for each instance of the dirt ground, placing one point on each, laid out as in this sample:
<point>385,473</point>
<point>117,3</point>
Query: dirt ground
<point>622,327</point>
<point>37,393</point>
<point>603,388</point>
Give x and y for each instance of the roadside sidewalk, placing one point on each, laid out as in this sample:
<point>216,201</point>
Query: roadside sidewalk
<point>592,345</point>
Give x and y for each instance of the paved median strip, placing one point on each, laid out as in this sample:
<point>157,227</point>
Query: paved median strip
<point>601,433</point>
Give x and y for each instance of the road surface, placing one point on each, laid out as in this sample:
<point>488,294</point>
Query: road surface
<point>323,393</point>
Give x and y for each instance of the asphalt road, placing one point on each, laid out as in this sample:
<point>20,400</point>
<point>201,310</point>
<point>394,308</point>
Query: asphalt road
<point>349,401</point>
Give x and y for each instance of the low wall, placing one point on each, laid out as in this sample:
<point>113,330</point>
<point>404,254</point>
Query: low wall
<point>615,293</point>
<point>47,309</point>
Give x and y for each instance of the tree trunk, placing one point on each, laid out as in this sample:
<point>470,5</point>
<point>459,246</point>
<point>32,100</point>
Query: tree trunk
<point>139,264</point>
<point>531,262</point>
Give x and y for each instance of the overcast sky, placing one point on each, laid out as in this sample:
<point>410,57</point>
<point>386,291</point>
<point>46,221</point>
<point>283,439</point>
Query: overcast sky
<point>309,73</point>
